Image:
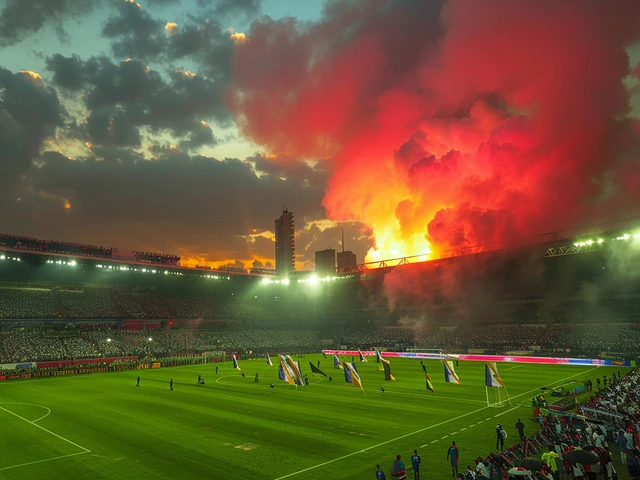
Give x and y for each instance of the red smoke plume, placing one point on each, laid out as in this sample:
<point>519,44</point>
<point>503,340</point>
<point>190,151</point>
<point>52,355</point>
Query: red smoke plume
<point>454,124</point>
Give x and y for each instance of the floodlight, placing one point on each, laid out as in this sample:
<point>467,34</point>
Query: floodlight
<point>2,257</point>
<point>265,281</point>
<point>285,281</point>
<point>109,340</point>
<point>313,280</point>
<point>150,339</point>
<point>600,240</point>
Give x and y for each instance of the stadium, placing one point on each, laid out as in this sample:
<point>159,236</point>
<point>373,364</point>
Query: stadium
<point>80,327</point>
<point>456,296</point>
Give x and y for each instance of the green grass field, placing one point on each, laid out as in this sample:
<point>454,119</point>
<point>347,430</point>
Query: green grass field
<point>101,426</point>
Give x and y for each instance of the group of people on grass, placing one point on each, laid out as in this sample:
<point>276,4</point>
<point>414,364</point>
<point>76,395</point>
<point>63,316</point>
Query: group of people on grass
<point>559,442</point>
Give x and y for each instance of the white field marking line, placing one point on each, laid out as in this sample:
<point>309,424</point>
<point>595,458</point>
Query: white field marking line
<point>462,429</point>
<point>422,396</point>
<point>32,405</point>
<point>507,411</point>
<point>328,462</point>
<point>517,366</point>
<point>45,460</point>
<point>86,450</point>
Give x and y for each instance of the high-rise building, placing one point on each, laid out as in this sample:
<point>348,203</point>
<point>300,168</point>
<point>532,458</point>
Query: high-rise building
<point>347,261</point>
<point>326,262</point>
<point>285,244</point>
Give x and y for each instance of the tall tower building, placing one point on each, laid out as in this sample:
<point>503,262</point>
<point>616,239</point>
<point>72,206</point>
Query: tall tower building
<point>285,244</point>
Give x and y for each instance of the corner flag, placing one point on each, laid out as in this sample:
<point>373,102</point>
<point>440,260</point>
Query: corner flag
<point>269,362</point>
<point>235,362</point>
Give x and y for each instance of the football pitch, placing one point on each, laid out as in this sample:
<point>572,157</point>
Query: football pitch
<point>101,426</point>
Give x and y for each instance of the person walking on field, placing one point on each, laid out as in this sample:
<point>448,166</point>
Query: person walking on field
<point>452,456</point>
<point>520,428</point>
<point>500,436</point>
<point>380,474</point>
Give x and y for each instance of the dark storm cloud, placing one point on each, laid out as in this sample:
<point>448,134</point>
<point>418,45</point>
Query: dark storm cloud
<point>135,32</point>
<point>234,8</point>
<point>29,112</point>
<point>136,96</point>
<point>67,71</point>
<point>172,201</point>
<point>20,18</point>
<point>112,127</point>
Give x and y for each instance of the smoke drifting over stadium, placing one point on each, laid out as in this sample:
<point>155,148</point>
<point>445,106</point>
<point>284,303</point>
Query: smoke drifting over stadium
<point>451,124</point>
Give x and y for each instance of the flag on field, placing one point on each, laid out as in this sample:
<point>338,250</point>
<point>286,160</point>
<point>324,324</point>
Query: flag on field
<point>491,377</point>
<point>450,374</point>
<point>315,369</point>
<point>281,374</point>
<point>324,354</point>
<point>351,375</point>
<point>387,370</point>
<point>269,362</point>
<point>378,356</point>
<point>336,362</point>
<point>355,367</point>
<point>289,371</point>
<point>362,359</point>
<point>235,362</point>
<point>428,379</point>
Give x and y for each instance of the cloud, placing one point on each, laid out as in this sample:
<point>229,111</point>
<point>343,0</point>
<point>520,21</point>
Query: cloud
<point>243,9</point>
<point>170,202</point>
<point>171,28</point>
<point>135,32</point>
<point>19,19</point>
<point>135,96</point>
<point>446,125</point>
<point>29,113</point>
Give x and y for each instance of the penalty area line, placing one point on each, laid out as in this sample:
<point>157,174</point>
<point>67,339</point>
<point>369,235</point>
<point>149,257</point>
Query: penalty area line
<point>85,450</point>
<point>42,461</point>
<point>329,462</point>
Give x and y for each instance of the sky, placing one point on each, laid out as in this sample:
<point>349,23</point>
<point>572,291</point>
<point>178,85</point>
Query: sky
<point>187,126</point>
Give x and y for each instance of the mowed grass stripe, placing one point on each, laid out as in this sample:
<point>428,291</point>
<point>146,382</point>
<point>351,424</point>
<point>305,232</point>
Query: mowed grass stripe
<point>194,431</point>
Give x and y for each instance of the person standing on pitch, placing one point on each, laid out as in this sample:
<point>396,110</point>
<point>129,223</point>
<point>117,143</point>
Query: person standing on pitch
<point>500,434</point>
<point>520,428</point>
<point>171,384</point>
<point>380,474</point>
<point>398,470</point>
<point>216,369</point>
<point>138,384</point>
<point>415,463</point>
<point>452,456</point>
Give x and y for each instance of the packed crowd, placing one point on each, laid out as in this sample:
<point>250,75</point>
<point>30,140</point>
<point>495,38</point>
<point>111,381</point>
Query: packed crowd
<point>54,246</point>
<point>83,343</point>
<point>565,339</point>
<point>103,303</point>
<point>32,346</point>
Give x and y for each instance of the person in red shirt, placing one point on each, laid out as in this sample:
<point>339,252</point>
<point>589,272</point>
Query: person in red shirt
<point>398,469</point>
